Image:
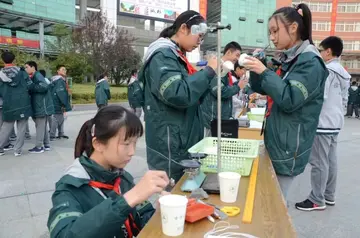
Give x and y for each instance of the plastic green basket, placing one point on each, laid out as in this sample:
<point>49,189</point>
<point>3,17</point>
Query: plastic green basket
<point>237,155</point>
<point>255,117</point>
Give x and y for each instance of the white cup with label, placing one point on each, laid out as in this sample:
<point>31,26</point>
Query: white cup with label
<point>173,211</point>
<point>229,186</point>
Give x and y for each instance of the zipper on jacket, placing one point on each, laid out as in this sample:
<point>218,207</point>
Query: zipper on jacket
<point>297,146</point>
<point>169,150</point>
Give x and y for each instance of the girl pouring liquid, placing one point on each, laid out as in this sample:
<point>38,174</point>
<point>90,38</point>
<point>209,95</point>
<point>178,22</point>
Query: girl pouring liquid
<point>96,197</point>
<point>295,94</point>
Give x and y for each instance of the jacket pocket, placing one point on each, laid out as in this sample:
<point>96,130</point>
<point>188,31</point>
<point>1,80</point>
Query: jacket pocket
<point>293,139</point>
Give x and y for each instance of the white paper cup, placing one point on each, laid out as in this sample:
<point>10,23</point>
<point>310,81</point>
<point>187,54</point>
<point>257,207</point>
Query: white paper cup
<point>242,59</point>
<point>229,186</point>
<point>173,211</point>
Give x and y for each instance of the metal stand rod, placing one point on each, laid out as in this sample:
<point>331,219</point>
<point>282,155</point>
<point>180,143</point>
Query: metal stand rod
<point>219,100</point>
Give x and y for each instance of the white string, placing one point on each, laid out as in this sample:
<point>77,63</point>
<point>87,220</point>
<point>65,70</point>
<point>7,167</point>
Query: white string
<point>222,226</point>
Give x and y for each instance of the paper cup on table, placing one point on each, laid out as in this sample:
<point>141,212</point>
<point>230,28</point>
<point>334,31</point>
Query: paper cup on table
<point>173,211</point>
<point>229,186</point>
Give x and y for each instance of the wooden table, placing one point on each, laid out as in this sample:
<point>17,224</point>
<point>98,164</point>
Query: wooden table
<point>270,216</point>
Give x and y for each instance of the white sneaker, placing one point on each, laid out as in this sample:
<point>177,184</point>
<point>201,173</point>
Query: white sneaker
<point>17,154</point>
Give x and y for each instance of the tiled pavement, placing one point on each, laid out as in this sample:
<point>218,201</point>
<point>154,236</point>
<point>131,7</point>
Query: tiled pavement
<point>27,182</point>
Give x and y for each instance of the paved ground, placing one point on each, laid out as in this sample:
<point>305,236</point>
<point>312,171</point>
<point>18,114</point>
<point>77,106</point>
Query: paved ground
<point>27,182</point>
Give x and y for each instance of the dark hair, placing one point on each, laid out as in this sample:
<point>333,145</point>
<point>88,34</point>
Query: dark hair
<point>8,57</point>
<point>58,67</point>
<point>101,76</point>
<point>105,125</point>
<point>32,64</point>
<point>353,83</point>
<point>237,65</point>
<point>188,17</point>
<point>232,46</point>
<point>43,72</point>
<point>289,15</point>
<point>134,71</point>
<point>334,43</point>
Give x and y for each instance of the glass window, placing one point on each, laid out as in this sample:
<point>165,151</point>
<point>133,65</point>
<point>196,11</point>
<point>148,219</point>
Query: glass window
<point>349,27</point>
<point>348,45</point>
<point>357,26</point>
<point>340,27</point>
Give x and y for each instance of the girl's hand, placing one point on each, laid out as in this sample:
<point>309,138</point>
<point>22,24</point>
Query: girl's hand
<point>152,182</point>
<point>242,83</point>
<point>254,65</point>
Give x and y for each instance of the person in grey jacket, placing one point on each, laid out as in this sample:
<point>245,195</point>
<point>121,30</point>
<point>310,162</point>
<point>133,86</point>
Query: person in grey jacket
<point>323,157</point>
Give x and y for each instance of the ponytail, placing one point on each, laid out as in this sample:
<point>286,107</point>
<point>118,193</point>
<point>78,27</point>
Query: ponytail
<point>301,15</point>
<point>84,140</point>
<point>168,32</point>
<point>306,33</point>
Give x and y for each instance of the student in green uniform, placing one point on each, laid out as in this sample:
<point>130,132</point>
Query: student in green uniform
<point>102,91</point>
<point>61,102</point>
<point>43,107</point>
<point>96,197</point>
<point>15,87</point>
<point>297,93</point>
<point>173,91</point>
<point>232,53</point>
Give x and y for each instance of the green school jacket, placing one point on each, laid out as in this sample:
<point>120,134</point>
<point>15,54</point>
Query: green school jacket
<point>41,99</point>
<point>209,106</point>
<point>298,97</point>
<point>60,95</point>
<point>79,210</point>
<point>102,92</point>
<point>15,87</point>
<point>173,116</point>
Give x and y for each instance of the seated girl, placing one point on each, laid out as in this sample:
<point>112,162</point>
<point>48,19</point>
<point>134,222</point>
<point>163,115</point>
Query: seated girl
<point>96,197</point>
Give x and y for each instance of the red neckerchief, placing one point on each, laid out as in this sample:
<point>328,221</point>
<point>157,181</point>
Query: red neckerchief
<point>191,70</point>
<point>8,65</point>
<point>231,83</point>
<point>270,102</point>
<point>116,189</point>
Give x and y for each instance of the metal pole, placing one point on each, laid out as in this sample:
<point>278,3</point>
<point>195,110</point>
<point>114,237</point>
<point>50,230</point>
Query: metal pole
<point>219,100</point>
<point>41,38</point>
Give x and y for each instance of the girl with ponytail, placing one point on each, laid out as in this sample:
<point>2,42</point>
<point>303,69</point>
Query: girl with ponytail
<point>173,90</point>
<point>295,92</point>
<point>96,197</point>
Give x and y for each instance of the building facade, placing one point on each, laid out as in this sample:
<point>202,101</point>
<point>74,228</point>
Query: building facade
<point>28,23</point>
<point>248,19</point>
<point>340,18</point>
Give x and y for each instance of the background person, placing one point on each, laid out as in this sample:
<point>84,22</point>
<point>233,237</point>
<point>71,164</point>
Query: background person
<point>323,158</point>
<point>102,91</point>
<point>42,105</point>
<point>16,102</point>
<point>135,106</point>
<point>232,53</point>
<point>43,73</point>
<point>353,100</point>
<point>297,93</point>
<point>61,102</point>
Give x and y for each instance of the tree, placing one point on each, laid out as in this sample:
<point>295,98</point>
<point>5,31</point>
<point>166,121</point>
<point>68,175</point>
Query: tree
<point>76,63</point>
<point>108,48</point>
<point>22,57</point>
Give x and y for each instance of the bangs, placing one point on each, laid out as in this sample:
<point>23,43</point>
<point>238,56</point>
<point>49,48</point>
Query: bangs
<point>134,127</point>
